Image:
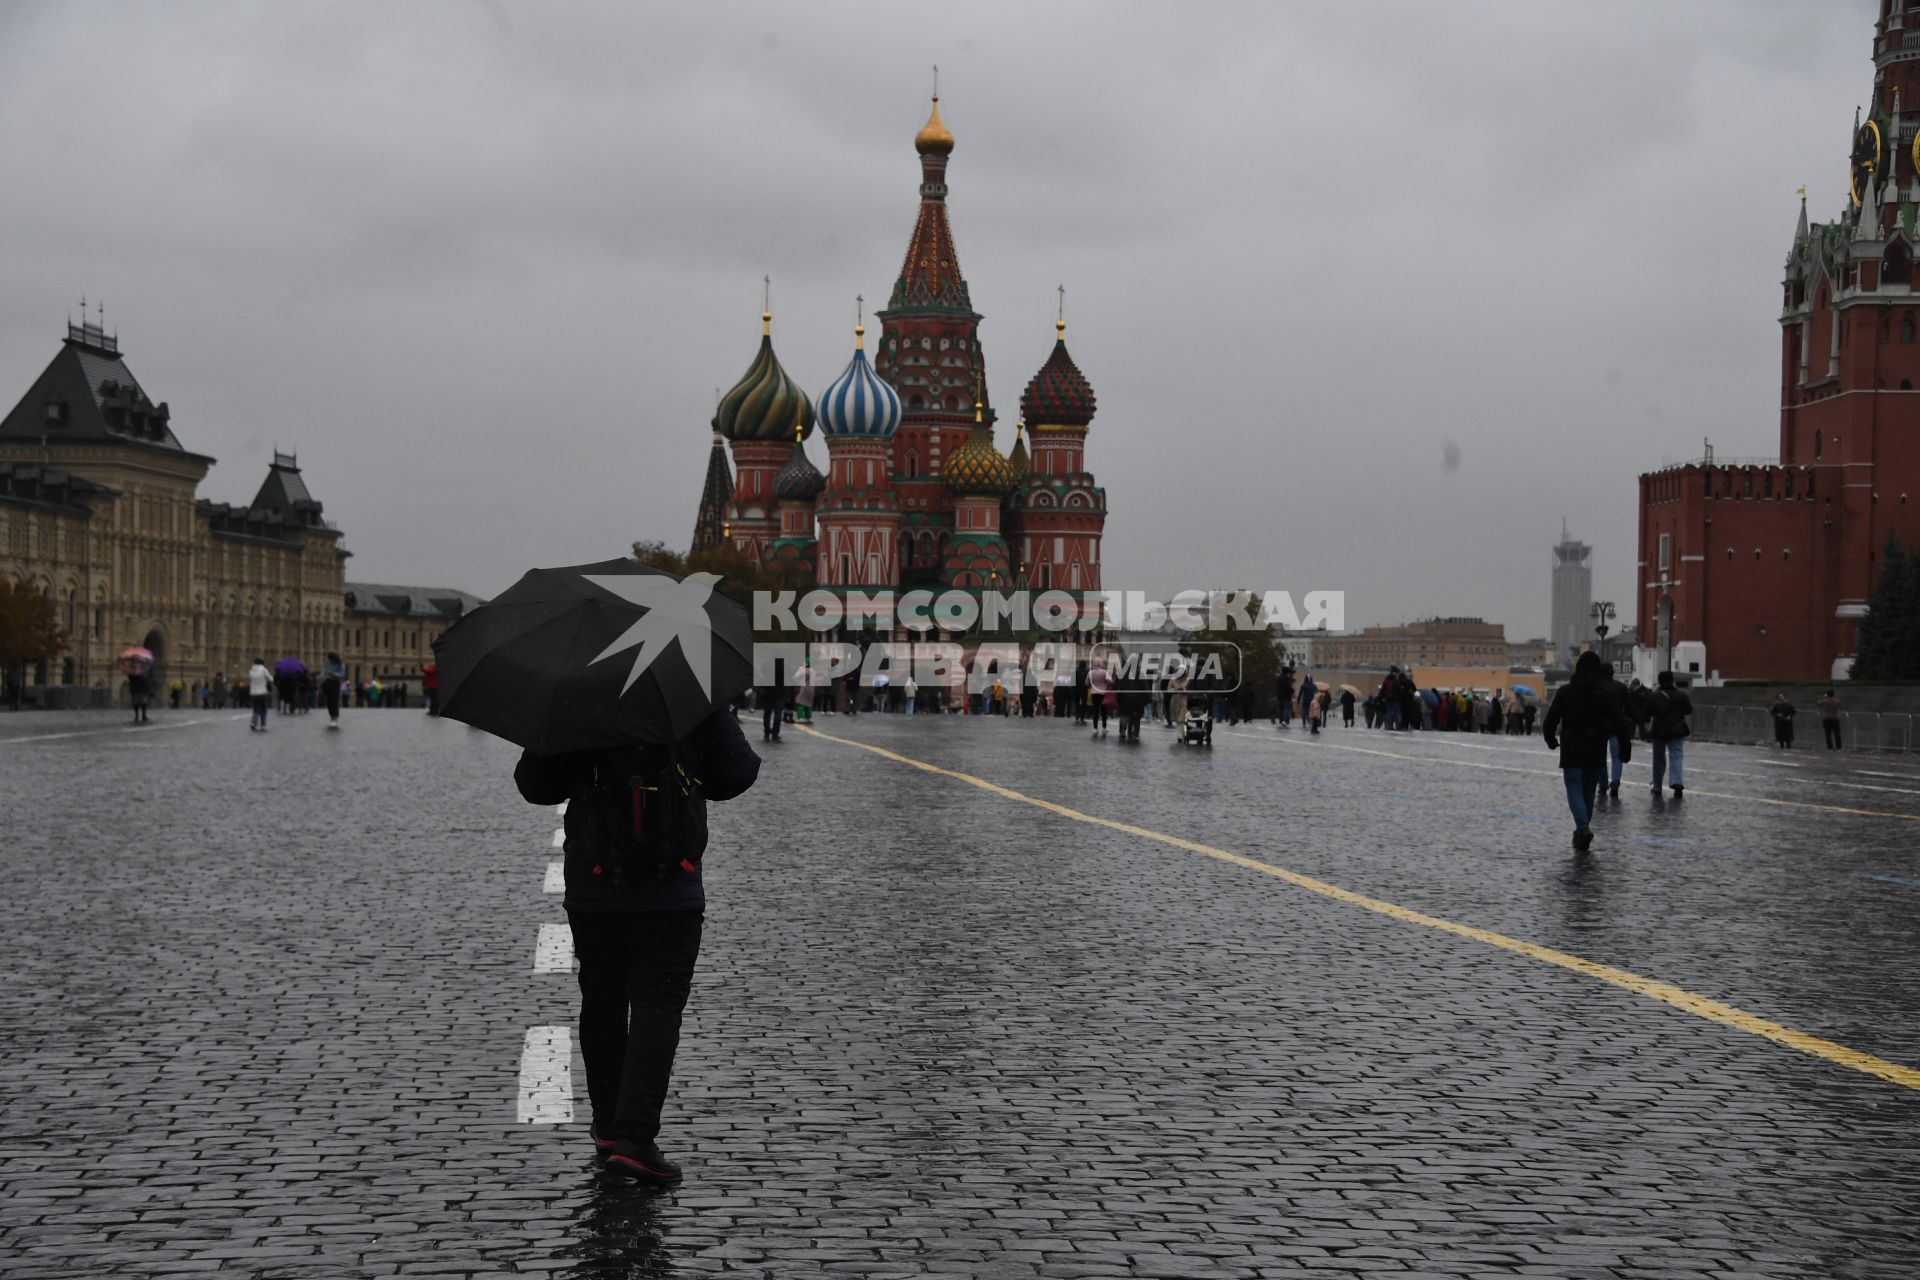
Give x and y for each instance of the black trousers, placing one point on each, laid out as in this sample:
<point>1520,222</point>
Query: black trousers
<point>635,971</point>
<point>1832,728</point>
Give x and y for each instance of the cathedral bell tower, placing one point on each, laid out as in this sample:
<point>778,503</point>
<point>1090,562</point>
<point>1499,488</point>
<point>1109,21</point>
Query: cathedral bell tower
<point>929,353</point>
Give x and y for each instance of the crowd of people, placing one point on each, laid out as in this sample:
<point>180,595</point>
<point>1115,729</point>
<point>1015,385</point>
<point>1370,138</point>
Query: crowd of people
<point>284,688</point>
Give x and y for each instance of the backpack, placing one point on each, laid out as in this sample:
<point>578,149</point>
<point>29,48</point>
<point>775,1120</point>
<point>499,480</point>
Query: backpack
<point>647,819</point>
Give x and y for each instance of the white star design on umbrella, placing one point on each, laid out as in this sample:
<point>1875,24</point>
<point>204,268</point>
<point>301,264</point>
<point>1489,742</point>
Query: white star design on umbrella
<point>675,610</point>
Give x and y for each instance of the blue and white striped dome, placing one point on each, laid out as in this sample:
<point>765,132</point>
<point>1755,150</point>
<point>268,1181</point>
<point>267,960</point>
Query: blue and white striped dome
<point>858,403</point>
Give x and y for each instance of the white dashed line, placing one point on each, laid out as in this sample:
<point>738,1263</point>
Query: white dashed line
<point>556,878</point>
<point>546,1076</point>
<point>561,808</point>
<point>553,953</point>
<point>559,836</point>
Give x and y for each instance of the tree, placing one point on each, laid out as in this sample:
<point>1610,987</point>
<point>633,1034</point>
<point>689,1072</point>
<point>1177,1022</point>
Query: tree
<point>1249,658</point>
<point>740,574</point>
<point>1889,640</point>
<point>29,629</point>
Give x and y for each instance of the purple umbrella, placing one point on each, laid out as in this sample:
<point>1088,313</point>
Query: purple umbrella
<point>289,667</point>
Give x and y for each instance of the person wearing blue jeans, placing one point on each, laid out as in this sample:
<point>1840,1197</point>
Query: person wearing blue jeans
<point>1579,723</point>
<point>1619,694</point>
<point>259,691</point>
<point>1668,729</point>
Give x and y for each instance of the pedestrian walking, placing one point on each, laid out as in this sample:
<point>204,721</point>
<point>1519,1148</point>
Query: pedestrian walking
<point>636,830</point>
<point>1099,694</point>
<point>913,693</point>
<point>1782,712</point>
<point>1829,708</point>
<point>1346,708</point>
<point>1579,723</point>
<point>1616,750</point>
<point>259,691</point>
<point>333,673</point>
<point>773,697</point>
<point>1309,697</point>
<point>1667,728</point>
<point>430,685</point>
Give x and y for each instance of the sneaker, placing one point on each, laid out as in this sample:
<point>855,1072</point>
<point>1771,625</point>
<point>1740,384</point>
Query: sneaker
<point>1583,838</point>
<point>641,1161</point>
<point>603,1139</point>
<point>1678,792</point>
<point>1613,791</point>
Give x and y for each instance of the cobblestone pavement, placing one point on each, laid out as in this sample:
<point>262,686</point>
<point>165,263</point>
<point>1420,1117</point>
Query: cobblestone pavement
<point>266,997</point>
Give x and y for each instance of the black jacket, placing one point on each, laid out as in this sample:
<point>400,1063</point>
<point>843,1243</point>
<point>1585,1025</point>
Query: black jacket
<point>1670,709</point>
<point>1582,717</point>
<point>715,752</point>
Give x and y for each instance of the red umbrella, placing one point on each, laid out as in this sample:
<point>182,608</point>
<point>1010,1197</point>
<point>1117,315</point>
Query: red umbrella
<point>134,660</point>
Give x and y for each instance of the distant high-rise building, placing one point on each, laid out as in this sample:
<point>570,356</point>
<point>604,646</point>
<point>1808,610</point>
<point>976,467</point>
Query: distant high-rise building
<point>1572,595</point>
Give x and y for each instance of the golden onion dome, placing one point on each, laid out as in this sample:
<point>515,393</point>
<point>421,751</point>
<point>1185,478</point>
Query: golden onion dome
<point>1019,460</point>
<point>977,469</point>
<point>934,137</point>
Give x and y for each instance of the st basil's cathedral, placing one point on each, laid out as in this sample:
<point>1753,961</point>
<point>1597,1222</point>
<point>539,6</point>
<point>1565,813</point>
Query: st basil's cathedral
<point>915,493</point>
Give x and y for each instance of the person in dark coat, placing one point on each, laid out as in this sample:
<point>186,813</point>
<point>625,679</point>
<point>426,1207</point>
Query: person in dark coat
<point>1616,749</point>
<point>1667,711</point>
<point>1580,721</point>
<point>1346,708</point>
<point>1782,712</point>
<point>636,937</point>
<point>1829,708</point>
<point>1132,691</point>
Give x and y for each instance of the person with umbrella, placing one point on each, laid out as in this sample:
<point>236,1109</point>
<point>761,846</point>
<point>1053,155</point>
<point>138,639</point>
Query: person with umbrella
<point>1347,699</point>
<point>136,663</point>
<point>287,675</point>
<point>616,679</point>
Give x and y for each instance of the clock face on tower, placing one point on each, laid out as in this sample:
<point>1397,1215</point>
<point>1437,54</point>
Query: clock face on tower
<point>1866,159</point>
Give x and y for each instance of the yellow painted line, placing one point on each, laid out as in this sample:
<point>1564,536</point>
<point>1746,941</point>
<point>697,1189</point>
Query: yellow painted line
<point>1679,997</point>
<point>1554,773</point>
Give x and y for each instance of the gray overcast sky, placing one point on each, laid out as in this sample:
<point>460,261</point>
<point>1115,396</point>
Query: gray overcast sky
<point>483,264</point>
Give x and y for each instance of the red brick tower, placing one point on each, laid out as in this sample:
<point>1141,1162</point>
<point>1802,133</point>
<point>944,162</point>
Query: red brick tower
<point>1770,564</point>
<point>929,353</point>
<point>1058,514</point>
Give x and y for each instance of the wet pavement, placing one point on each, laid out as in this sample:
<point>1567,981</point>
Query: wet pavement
<point>266,999</point>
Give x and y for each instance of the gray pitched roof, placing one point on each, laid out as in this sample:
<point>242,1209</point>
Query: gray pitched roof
<point>284,494</point>
<point>410,602</point>
<point>29,484</point>
<point>88,393</point>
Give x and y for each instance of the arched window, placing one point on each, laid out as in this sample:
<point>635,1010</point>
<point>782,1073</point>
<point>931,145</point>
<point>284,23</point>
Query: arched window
<point>1897,266</point>
<point>1906,328</point>
<point>1816,444</point>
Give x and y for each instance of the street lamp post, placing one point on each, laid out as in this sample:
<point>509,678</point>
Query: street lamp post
<point>1603,613</point>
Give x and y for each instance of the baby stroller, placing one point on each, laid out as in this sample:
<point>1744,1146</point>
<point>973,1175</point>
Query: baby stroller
<point>1197,728</point>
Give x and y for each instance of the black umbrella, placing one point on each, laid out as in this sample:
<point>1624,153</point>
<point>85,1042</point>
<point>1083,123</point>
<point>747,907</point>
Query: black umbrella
<point>595,655</point>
